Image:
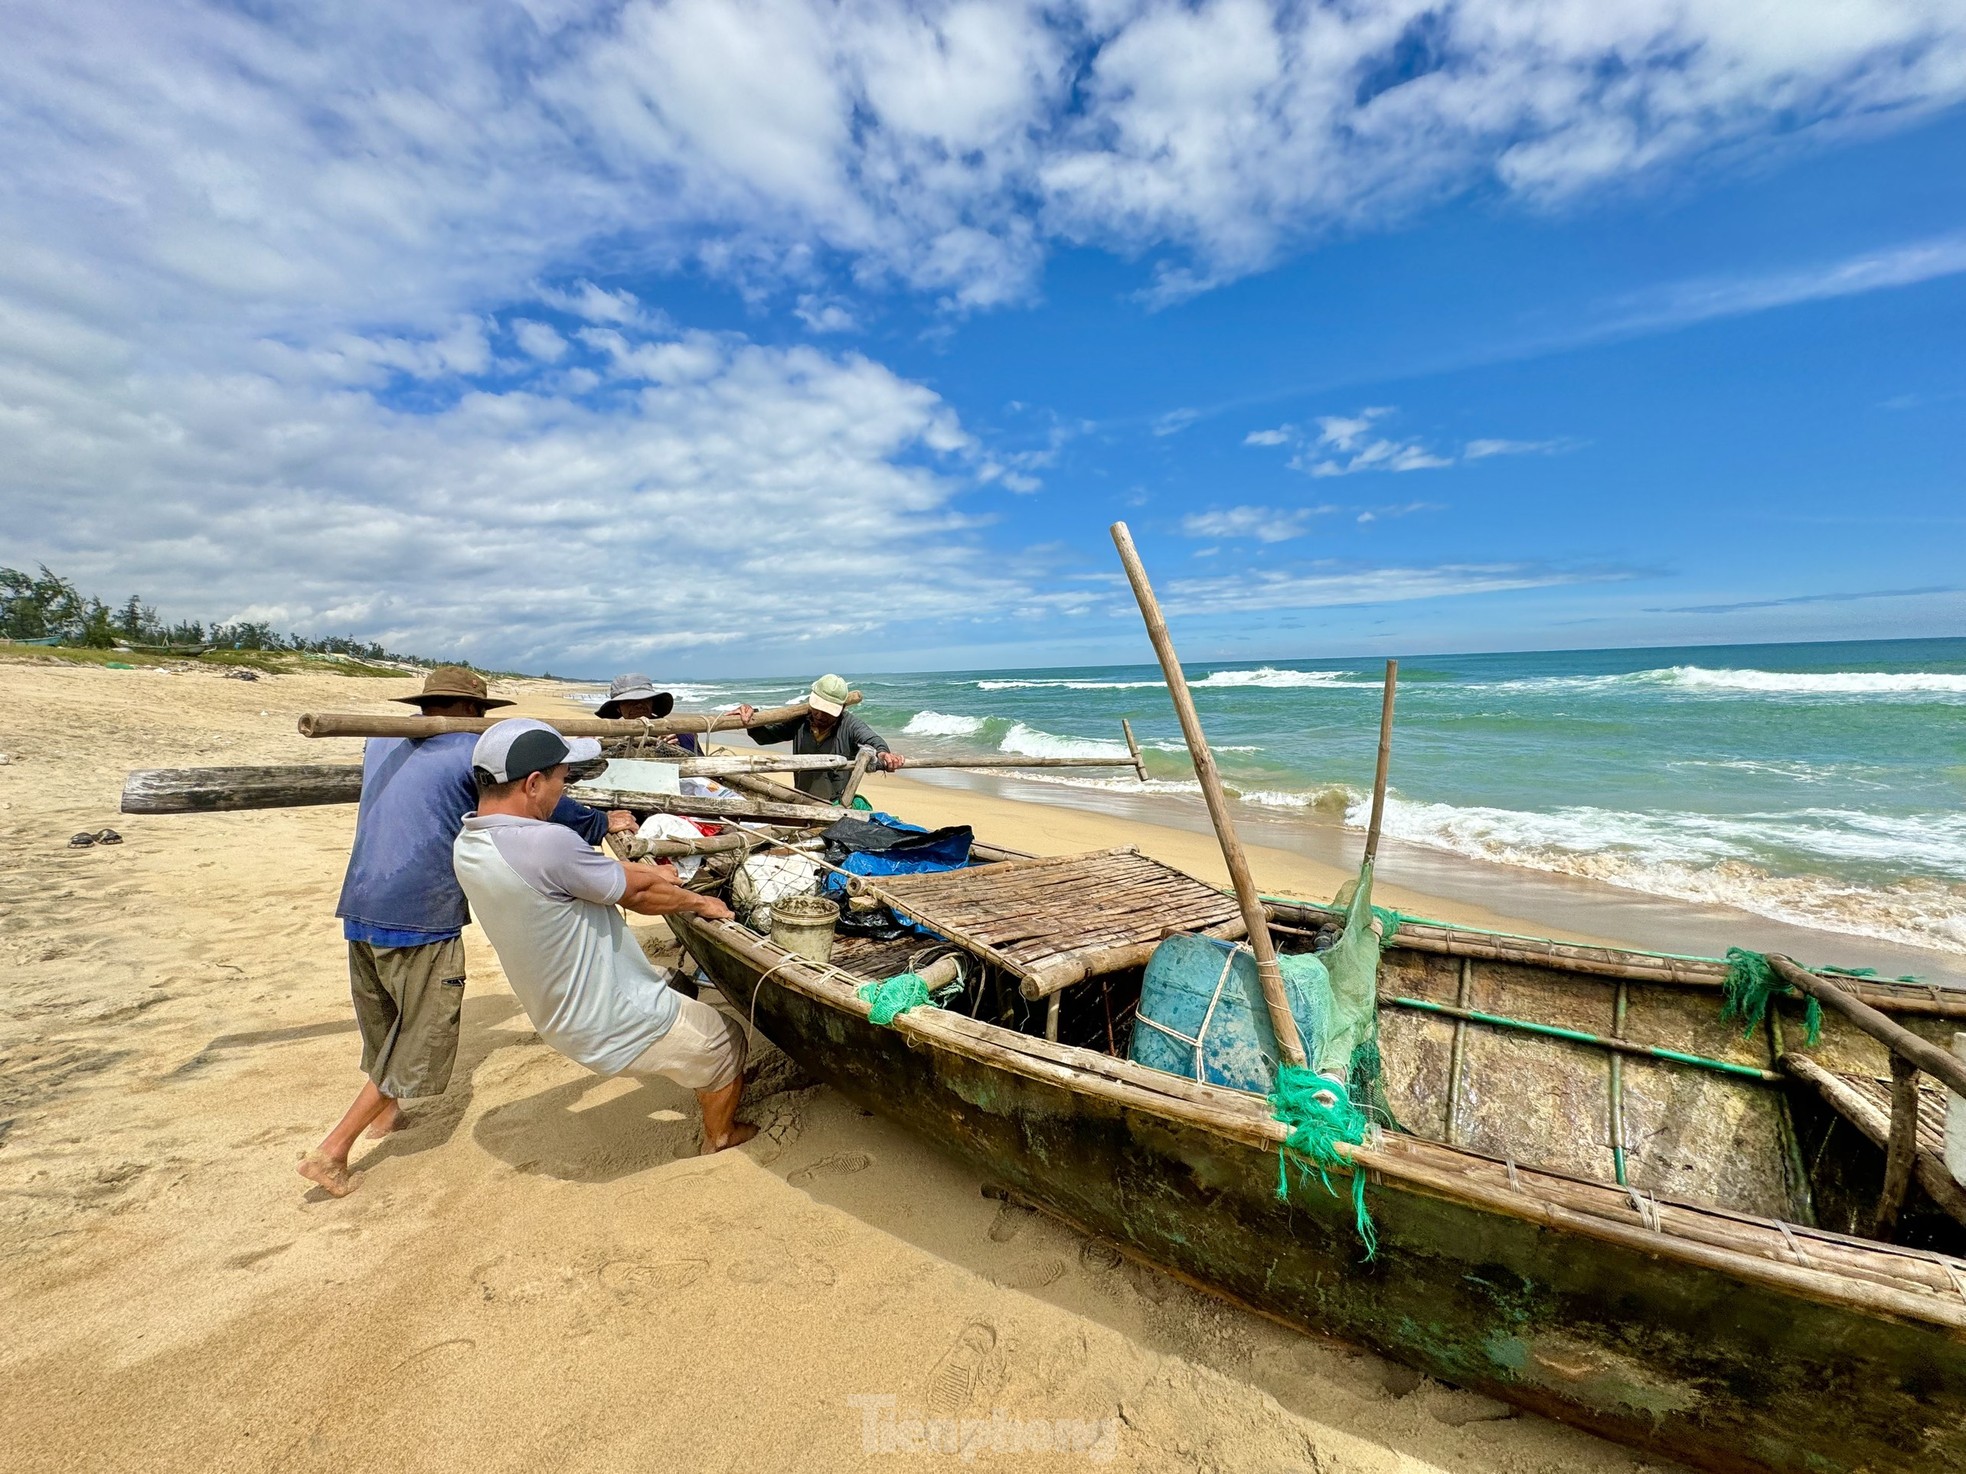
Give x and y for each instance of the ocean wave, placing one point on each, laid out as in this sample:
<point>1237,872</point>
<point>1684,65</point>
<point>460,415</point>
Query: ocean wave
<point>1030,742</point>
<point>941,724</point>
<point>1064,683</point>
<point>1714,859</point>
<point>1753,682</point>
<point>1272,678</point>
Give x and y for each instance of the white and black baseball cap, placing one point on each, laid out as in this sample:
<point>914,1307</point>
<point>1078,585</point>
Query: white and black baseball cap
<point>519,746</point>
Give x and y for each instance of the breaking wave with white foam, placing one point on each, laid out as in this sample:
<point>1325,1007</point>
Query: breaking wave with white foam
<point>1708,859</point>
<point>942,724</point>
<point>1026,741</point>
<point>1272,678</point>
<point>1699,678</point>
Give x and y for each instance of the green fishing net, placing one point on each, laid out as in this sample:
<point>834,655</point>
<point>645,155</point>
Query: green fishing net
<point>1317,1130</point>
<point>1752,984</point>
<point>1348,1047</point>
<point>893,996</point>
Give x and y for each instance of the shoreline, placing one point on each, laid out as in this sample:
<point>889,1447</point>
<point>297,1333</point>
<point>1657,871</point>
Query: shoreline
<point>1307,860</point>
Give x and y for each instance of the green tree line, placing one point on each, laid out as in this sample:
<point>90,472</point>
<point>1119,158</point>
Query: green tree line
<point>43,605</point>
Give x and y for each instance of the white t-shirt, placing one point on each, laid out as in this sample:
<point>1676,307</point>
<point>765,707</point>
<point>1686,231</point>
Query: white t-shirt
<point>547,901</point>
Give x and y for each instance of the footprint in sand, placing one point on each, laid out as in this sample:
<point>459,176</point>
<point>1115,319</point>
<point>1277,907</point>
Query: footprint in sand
<point>1009,1222</point>
<point>637,1281</point>
<point>839,1164</point>
<point>1098,1257</point>
<point>1036,1274</point>
<point>795,1274</point>
<point>952,1382</point>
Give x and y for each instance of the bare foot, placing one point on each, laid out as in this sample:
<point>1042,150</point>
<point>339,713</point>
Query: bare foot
<point>326,1173</point>
<point>391,1119</point>
<point>739,1133</point>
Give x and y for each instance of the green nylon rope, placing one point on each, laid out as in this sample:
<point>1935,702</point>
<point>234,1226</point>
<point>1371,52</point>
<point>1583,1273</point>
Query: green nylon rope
<point>893,997</point>
<point>1752,985</point>
<point>1316,1131</point>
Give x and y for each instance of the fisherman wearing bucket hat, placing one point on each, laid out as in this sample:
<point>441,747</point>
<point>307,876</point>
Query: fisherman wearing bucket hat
<point>403,913</point>
<point>634,698</point>
<point>827,728</point>
<point>453,691</point>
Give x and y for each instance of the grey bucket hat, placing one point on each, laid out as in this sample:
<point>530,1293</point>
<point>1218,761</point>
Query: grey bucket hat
<point>635,687</point>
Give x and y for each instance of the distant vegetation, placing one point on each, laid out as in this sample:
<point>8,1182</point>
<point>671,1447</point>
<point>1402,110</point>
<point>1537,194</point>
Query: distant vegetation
<point>44,606</point>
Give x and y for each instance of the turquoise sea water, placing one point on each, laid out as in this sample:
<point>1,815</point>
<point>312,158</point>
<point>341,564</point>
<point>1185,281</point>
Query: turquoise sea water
<point>1823,784</point>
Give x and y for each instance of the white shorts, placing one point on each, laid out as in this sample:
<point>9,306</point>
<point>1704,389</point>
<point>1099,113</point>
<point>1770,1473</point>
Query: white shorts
<point>703,1050</point>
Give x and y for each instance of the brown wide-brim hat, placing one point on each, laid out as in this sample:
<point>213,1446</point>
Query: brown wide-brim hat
<point>452,683</point>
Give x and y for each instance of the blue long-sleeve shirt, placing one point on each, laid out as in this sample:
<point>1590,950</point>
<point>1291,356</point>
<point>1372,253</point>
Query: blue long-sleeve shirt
<point>400,889</point>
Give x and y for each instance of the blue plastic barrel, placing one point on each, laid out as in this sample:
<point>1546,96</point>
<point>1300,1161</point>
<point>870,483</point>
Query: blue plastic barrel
<point>1240,1048</point>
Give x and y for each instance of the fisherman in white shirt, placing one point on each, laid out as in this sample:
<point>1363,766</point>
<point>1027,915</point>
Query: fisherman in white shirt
<point>550,904</point>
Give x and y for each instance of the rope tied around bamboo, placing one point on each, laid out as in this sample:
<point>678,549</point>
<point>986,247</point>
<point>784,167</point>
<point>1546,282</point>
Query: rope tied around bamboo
<point>1321,1117</point>
<point>1752,984</point>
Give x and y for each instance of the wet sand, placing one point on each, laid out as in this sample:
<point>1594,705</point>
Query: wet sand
<point>537,1273</point>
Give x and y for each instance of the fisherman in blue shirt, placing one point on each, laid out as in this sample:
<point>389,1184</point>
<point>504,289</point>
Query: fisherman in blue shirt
<point>403,913</point>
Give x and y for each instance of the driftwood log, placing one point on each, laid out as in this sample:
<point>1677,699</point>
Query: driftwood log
<point>207,790</point>
<point>359,724</point>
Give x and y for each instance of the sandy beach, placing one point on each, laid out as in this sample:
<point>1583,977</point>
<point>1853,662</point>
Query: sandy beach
<point>538,1273</point>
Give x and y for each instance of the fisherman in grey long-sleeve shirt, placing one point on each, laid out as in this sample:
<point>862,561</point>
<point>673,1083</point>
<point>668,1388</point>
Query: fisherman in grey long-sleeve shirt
<point>829,729</point>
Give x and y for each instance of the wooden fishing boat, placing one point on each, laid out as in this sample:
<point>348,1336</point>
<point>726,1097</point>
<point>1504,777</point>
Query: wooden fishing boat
<point>1602,1201</point>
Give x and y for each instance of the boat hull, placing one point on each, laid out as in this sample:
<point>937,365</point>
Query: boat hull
<point>1669,1356</point>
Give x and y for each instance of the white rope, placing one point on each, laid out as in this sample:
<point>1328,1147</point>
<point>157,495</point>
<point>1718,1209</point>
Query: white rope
<point>1648,1208</point>
<point>1195,1041</point>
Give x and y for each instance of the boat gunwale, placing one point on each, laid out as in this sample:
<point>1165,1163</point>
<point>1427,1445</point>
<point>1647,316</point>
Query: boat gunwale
<point>1416,1164</point>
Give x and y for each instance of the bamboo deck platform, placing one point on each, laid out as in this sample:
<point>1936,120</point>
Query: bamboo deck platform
<point>1053,922</point>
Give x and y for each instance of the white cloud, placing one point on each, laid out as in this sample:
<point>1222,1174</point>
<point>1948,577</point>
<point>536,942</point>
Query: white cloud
<point>824,315</point>
<point>515,525</point>
<point>539,340</point>
<point>1481,450</point>
<point>1265,524</point>
<point>1279,436</point>
<point>1347,444</point>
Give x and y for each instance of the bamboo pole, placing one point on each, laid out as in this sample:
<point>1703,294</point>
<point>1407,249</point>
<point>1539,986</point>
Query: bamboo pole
<point>1927,1056</point>
<point>862,761</point>
<point>1290,1044</point>
<point>1139,768</point>
<point>1901,1151</point>
<point>358,724</point>
<point>721,809</point>
<point>1385,763</point>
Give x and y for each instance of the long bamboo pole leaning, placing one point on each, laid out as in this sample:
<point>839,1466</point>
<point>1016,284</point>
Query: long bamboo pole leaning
<point>359,724</point>
<point>1290,1045</point>
<point>1923,1053</point>
<point>1384,764</point>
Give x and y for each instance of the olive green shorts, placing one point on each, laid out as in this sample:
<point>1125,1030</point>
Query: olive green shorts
<point>407,1001</point>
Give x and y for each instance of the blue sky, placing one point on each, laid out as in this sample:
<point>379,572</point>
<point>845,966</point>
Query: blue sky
<point>733,338</point>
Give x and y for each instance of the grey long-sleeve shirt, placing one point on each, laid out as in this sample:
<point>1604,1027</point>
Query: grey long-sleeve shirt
<point>848,736</point>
